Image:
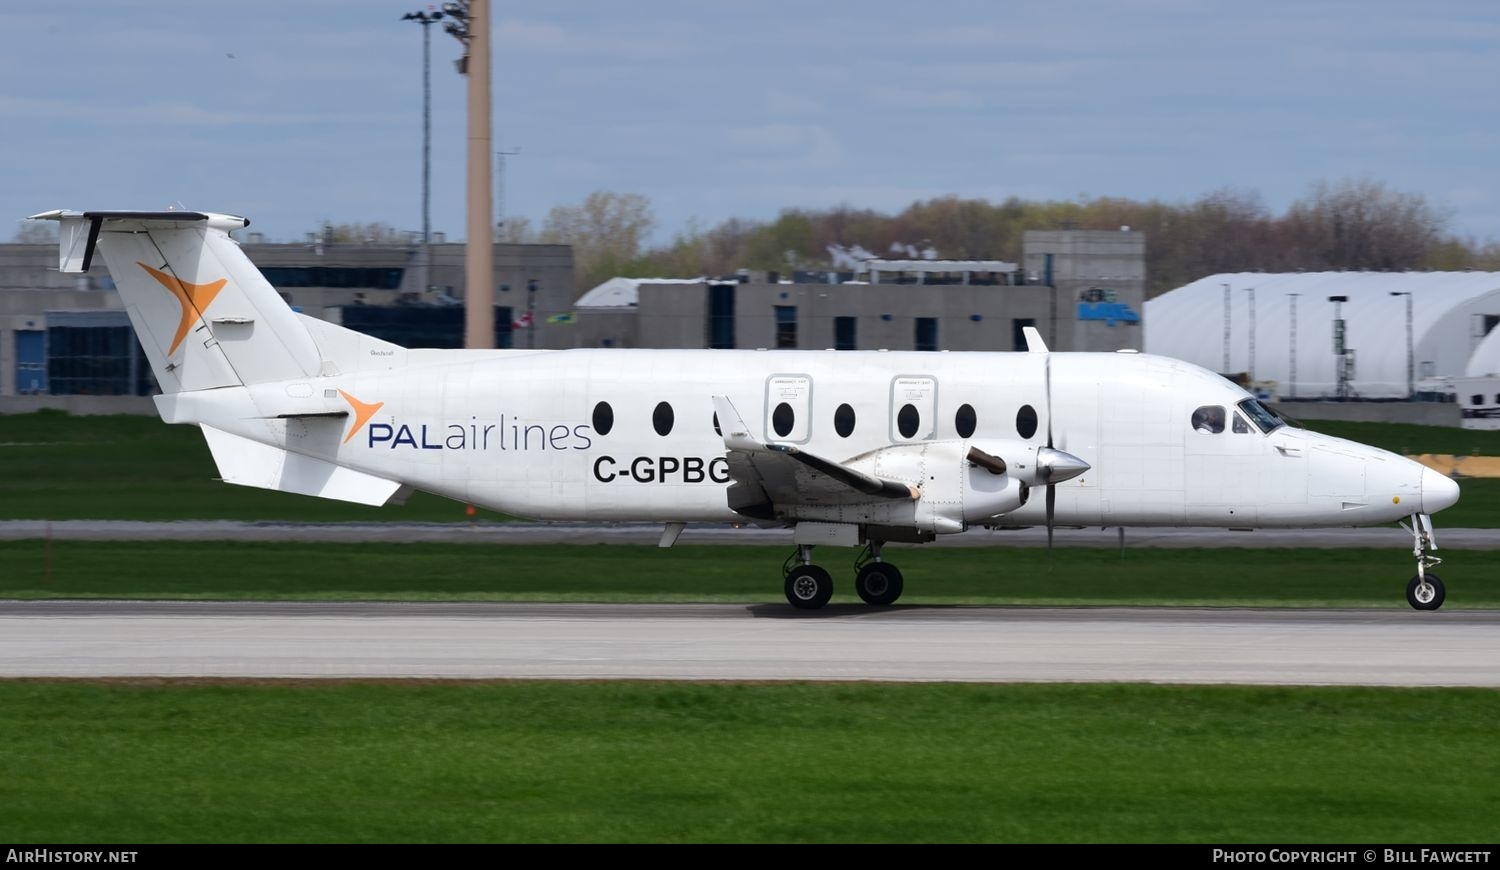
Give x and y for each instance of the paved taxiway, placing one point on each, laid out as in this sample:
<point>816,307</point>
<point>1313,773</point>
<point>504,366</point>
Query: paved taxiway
<point>736,642</point>
<point>647,533</point>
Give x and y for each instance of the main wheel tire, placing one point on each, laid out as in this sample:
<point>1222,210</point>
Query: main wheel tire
<point>879,583</point>
<point>1426,596</point>
<point>808,587</point>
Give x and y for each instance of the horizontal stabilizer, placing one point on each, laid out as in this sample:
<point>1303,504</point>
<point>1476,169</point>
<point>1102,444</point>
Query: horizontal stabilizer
<point>250,463</point>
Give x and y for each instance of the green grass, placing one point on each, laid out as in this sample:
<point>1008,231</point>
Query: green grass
<point>1407,439</point>
<point>60,467</point>
<point>622,761</point>
<point>210,570</point>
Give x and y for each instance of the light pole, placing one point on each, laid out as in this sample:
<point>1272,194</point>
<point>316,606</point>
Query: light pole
<point>1341,370</point>
<point>426,19</point>
<point>1411,371</point>
<point>1251,372</point>
<point>1292,348</point>
<point>1225,369</point>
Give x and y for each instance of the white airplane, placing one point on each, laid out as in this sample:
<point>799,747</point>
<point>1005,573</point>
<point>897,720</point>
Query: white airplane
<point>847,448</point>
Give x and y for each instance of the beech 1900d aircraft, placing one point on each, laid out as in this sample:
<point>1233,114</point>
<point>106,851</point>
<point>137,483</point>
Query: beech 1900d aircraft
<point>848,448</point>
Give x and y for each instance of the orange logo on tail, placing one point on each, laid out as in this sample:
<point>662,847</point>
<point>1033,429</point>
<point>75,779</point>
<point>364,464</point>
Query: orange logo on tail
<point>362,413</point>
<point>193,298</point>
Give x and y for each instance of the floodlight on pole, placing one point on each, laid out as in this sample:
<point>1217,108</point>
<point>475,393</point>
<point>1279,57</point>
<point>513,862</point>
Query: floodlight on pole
<point>1250,372</point>
<point>1292,348</point>
<point>1225,369</point>
<point>426,19</point>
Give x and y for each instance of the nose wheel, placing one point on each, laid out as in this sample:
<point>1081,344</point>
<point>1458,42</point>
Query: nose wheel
<point>1426,590</point>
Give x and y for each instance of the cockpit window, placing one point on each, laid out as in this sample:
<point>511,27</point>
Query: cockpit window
<point>1209,419</point>
<point>1261,416</point>
<point>1240,426</point>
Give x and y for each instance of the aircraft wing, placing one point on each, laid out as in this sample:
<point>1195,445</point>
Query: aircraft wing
<point>766,475</point>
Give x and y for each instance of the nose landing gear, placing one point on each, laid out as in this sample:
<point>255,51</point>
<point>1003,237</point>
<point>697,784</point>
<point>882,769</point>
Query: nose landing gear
<point>1424,591</point>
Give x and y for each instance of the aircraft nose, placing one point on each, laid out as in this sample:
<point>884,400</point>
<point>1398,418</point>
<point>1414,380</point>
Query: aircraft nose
<point>1057,466</point>
<point>1438,491</point>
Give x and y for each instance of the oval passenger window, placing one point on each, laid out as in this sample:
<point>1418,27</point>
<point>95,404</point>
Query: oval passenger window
<point>782,419</point>
<point>604,418</point>
<point>907,420</point>
<point>661,418</point>
<point>843,421</point>
<point>965,420</point>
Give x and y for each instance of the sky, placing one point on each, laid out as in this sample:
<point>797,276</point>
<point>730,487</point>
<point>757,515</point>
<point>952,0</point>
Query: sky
<point>293,113</point>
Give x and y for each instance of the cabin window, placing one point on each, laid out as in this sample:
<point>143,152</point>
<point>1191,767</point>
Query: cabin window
<point>1240,426</point>
<point>965,420</point>
<point>661,418</point>
<point>1026,421</point>
<point>604,418</point>
<point>1476,399</point>
<point>907,421</point>
<point>1261,416</point>
<point>1209,419</point>
<point>843,421</point>
<point>782,419</point>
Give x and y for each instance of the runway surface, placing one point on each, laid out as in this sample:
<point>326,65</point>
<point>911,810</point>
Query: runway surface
<point>648,534</point>
<point>736,642</point>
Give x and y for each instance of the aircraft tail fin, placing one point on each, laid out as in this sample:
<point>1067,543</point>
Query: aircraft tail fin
<point>205,315</point>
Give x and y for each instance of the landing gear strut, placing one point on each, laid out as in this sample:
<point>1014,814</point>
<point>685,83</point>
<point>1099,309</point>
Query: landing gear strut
<point>877,582</point>
<point>807,586</point>
<point>1424,591</point>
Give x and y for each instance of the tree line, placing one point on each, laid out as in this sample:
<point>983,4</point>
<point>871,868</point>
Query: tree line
<point>1352,224</point>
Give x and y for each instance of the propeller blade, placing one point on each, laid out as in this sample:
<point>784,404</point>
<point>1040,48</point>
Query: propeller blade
<point>1051,506</point>
<point>1051,485</point>
<point>1047,383</point>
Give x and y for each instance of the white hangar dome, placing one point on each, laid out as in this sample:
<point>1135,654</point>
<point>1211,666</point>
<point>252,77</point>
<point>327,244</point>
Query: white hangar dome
<point>1453,320</point>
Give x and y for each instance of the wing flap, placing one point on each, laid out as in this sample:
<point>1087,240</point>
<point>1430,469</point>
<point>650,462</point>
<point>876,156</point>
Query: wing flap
<point>767,475</point>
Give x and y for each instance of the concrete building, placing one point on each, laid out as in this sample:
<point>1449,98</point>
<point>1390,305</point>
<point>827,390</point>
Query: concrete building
<point>902,304</point>
<point>68,335</point>
<point>1101,275</point>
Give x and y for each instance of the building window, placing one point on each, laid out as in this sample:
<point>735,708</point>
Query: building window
<point>786,326</point>
<point>95,361</point>
<point>843,333</point>
<point>927,333</point>
<point>721,316</point>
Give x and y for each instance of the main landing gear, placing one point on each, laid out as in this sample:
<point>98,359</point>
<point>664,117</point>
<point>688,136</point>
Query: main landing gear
<point>1424,591</point>
<point>809,587</point>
